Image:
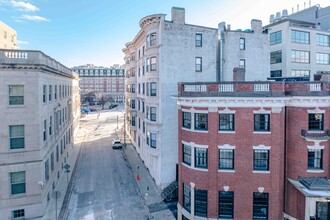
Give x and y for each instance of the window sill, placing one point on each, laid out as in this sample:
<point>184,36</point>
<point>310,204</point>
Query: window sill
<point>200,131</point>
<point>194,168</point>
<point>261,171</point>
<point>226,132</point>
<point>262,132</point>
<point>16,106</point>
<point>226,171</point>
<point>315,171</point>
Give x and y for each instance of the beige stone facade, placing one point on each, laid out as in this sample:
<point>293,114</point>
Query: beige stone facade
<point>40,107</point>
<point>8,37</point>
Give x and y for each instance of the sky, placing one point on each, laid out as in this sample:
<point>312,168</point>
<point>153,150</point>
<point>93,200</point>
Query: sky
<point>78,32</point>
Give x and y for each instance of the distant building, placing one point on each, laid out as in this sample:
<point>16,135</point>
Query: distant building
<point>107,81</point>
<point>254,150</point>
<point>299,44</point>
<point>8,37</point>
<point>40,107</point>
<point>166,52</point>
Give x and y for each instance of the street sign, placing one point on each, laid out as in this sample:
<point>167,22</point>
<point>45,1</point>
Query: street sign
<point>67,166</point>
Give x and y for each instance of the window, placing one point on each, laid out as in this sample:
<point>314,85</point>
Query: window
<point>152,113</point>
<point>186,120</point>
<point>299,73</point>
<point>153,65</point>
<point>16,95</point>
<point>322,40</point>
<point>198,40</point>
<point>315,159</point>
<point>133,88</point>
<point>299,56</point>
<point>17,182</point>
<point>226,122</point>
<point>242,43</point>
<point>322,58</point>
<point>300,37</point>
<point>44,91</point>
<point>50,93</point>
<point>261,160</point>
<point>150,40</point>
<point>226,205</point>
<point>261,122</point>
<point>260,205</point>
<point>18,214</point>
<point>198,64</point>
<point>276,73</point>
<point>46,170</point>
<point>186,197</point>
<point>45,130</point>
<point>226,159</point>
<point>133,104</point>
<point>242,63</point>
<point>16,136</point>
<point>201,157</point>
<point>201,202</point>
<point>153,140</point>
<point>50,125</point>
<point>201,121</point>
<point>153,89</point>
<point>276,38</point>
<point>57,153</point>
<point>133,120</point>
<point>55,92</point>
<point>276,57</point>
<point>143,88</point>
<point>52,161</point>
<point>186,154</point>
<point>315,121</point>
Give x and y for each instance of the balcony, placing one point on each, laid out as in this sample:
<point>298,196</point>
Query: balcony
<point>311,135</point>
<point>32,59</point>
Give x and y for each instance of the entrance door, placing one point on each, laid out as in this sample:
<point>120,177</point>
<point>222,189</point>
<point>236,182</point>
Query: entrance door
<point>322,210</point>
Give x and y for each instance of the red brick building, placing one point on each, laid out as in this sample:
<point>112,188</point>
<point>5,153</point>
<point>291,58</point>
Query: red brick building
<point>254,150</point>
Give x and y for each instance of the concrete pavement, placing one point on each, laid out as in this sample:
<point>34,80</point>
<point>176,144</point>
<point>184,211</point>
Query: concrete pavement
<point>147,187</point>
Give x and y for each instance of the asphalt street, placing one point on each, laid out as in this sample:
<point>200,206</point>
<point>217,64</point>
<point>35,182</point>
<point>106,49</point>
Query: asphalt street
<point>104,186</point>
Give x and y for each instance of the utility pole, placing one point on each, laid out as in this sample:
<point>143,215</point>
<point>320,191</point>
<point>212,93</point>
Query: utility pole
<point>117,122</point>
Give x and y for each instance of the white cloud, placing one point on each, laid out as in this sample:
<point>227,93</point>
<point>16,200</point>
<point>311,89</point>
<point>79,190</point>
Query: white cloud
<point>33,18</point>
<point>22,42</point>
<point>23,6</point>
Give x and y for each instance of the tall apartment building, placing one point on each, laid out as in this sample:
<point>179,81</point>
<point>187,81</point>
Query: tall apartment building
<point>254,150</point>
<point>8,37</point>
<point>102,80</point>
<point>300,44</point>
<point>166,52</point>
<point>40,107</point>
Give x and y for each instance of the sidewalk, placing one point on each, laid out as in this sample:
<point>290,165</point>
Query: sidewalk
<point>147,187</point>
<point>62,184</point>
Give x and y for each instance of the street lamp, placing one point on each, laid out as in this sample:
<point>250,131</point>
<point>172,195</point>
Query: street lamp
<point>67,167</point>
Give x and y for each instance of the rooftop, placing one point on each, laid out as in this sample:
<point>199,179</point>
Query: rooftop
<point>32,59</point>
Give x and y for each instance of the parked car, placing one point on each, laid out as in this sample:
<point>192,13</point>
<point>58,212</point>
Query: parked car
<point>116,144</point>
<point>113,106</point>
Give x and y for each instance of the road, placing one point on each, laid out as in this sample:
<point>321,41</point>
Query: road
<point>103,185</point>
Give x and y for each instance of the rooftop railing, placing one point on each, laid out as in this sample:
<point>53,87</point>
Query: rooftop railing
<point>257,89</point>
<point>20,58</point>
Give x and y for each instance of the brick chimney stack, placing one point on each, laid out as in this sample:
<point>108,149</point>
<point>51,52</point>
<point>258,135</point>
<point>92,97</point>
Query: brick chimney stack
<point>238,74</point>
<point>178,15</point>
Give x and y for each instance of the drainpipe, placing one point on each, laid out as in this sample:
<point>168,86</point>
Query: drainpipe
<point>221,36</point>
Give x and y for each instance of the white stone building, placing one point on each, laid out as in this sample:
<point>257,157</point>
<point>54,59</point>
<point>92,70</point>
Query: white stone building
<point>107,81</point>
<point>40,107</point>
<point>164,53</point>
<point>8,37</point>
<point>299,44</point>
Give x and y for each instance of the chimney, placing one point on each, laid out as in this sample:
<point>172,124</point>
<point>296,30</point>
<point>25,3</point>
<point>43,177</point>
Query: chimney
<point>178,15</point>
<point>285,13</point>
<point>256,26</point>
<point>238,74</point>
<point>228,27</point>
<point>271,18</point>
<point>278,15</point>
